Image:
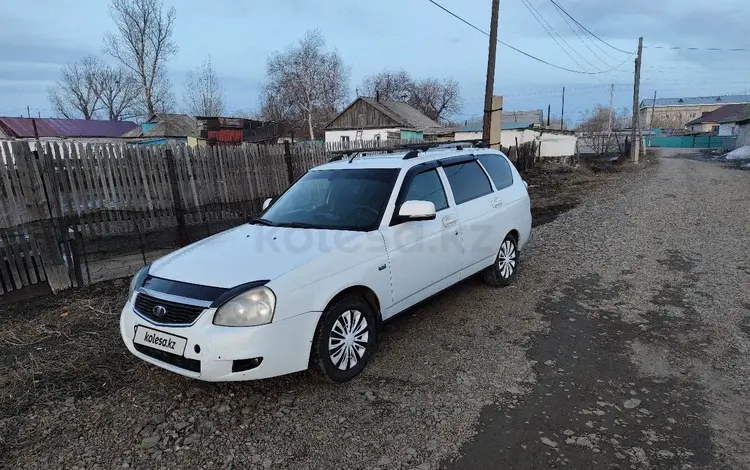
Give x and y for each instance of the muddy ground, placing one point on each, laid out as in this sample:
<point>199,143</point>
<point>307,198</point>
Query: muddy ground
<point>624,345</point>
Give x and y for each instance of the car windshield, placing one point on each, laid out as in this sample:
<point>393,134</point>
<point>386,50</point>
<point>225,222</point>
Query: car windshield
<point>350,199</point>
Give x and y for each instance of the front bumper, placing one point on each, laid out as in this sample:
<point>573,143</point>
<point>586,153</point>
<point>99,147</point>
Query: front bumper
<point>284,346</point>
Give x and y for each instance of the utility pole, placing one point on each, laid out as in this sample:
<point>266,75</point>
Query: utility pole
<point>653,109</point>
<point>562,112</point>
<point>549,109</point>
<point>490,85</point>
<point>635,137</point>
<point>611,106</point>
<point>28,111</point>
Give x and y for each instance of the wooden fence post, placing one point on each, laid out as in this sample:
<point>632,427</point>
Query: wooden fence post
<point>177,199</point>
<point>42,195</point>
<point>289,163</point>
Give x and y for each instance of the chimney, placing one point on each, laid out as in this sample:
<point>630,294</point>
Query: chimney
<point>377,95</point>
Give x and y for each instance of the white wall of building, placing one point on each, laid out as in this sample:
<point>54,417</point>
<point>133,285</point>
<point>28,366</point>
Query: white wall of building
<point>467,136</point>
<point>743,134</point>
<point>558,145</point>
<point>508,136</point>
<point>367,134</point>
<point>553,144</point>
<point>729,128</point>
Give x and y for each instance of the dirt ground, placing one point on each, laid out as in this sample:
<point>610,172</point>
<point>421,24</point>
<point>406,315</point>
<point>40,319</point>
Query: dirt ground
<point>623,345</point>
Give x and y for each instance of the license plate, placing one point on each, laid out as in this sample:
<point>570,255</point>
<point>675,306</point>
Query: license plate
<point>160,340</point>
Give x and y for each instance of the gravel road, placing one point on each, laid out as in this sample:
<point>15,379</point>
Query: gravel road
<point>645,291</point>
<point>624,345</point>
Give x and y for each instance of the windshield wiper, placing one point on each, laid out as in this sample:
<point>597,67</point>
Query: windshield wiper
<point>297,225</point>
<point>262,222</point>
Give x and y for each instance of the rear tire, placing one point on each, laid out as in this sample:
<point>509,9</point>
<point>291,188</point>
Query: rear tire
<point>344,340</point>
<point>504,270</point>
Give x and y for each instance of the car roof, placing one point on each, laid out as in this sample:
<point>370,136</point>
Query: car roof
<point>396,159</point>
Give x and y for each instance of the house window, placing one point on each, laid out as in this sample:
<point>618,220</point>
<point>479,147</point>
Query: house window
<point>344,139</point>
<point>715,130</point>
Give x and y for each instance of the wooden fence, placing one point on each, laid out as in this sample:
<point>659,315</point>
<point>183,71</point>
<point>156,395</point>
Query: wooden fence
<point>74,213</point>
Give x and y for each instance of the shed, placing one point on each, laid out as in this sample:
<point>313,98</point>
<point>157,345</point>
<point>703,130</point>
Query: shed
<point>165,128</point>
<point>373,119</point>
<point>711,121</point>
<point>740,121</point>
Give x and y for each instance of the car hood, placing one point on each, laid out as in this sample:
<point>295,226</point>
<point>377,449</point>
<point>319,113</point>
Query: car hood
<point>250,253</point>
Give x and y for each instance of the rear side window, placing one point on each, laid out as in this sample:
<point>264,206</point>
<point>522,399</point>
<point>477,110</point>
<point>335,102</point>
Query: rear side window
<point>427,187</point>
<point>468,181</point>
<point>498,168</point>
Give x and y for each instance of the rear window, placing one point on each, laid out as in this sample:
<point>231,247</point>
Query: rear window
<point>498,168</point>
<point>468,181</point>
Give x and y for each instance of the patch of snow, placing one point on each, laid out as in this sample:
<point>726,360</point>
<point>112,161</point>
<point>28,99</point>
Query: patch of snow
<point>742,153</point>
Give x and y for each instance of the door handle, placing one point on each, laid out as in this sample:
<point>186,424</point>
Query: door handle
<point>497,202</point>
<point>449,220</point>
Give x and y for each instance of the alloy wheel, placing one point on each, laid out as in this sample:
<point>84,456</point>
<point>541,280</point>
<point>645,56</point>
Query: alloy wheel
<point>506,259</point>
<point>347,342</point>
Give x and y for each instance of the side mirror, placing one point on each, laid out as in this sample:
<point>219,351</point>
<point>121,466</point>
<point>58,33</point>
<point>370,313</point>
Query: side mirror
<point>417,210</point>
<point>267,203</point>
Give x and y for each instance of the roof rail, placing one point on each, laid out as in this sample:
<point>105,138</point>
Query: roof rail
<point>423,147</point>
<point>413,149</point>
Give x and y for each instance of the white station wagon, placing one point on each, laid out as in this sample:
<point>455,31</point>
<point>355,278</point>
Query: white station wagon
<point>348,246</point>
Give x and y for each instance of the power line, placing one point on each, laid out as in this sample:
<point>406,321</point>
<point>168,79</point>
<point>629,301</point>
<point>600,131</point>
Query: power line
<point>540,19</point>
<point>595,43</point>
<point>565,18</point>
<point>586,29</point>
<point>707,49</point>
<point>526,53</point>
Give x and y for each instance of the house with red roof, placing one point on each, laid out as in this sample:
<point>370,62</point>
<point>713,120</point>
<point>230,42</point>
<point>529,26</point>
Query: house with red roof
<point>54,128</point>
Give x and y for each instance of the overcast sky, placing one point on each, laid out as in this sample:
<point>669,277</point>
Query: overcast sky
<point>410,34</point>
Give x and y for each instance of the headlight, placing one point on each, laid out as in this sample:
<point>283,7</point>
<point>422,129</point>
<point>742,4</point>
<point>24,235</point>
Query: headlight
<point>252,308</point>
<point>138,280</point>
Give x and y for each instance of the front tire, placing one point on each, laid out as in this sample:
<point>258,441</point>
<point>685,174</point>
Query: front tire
<point>345,339</point>
<point>504,270</point>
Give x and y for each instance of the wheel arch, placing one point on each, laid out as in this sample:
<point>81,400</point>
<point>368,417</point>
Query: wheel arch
<point>515,234</point>
<point>365,293</point>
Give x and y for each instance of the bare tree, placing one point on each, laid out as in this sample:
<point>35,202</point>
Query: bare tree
<point>74,95</point>
<point>437,99</point>
<point>598,119</point>
<point>391,85</point>
<point>204,94</point>
<point>306,82</point>
<point>273,109</point>
<point>143,44</point>
<point>118,92</point>
<point>596,134</point>
<point>670,120</point>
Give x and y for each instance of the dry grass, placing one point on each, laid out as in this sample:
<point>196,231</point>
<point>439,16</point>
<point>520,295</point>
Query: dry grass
<point>57,347</point>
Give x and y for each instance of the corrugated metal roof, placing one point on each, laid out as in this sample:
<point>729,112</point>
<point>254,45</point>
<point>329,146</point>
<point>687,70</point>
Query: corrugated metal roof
<point>403,113</point>
<point>167,125</point>
<point>740,114</point>
<point>718,115</point>
<point>54,127</point>
<point>697,100</point>
<point>535,115</point>
<point>174,125</point>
